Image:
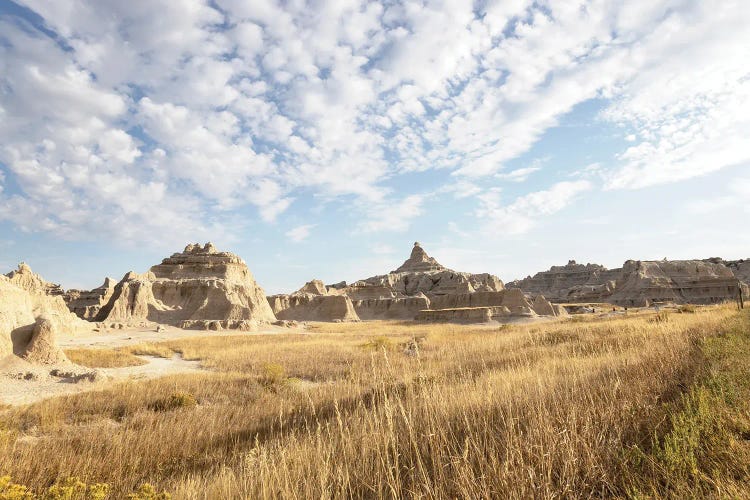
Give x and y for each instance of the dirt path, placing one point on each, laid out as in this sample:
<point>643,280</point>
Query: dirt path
<point>18,391</point>
<point>112,338</point>
<point>22,383</point>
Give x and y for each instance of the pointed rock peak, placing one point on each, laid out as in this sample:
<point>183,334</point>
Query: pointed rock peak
<point>23,268</point>
<point>315,287</point>
<point>419,261</point>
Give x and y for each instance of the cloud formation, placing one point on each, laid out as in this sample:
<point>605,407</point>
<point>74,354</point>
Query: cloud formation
<point>522,214</point>
<point>168,116</point>
<point>299,233</point>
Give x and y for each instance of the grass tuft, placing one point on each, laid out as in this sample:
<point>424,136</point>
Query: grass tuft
<point>103,358</point>
<point>174,401</point>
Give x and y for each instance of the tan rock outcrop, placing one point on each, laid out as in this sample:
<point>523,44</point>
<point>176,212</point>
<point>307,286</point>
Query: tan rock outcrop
<point>200,284</point>
<point>465,300</point>
<point>16,316</point>
<point>680,281</point>
<point>30,318</point>
<point>25,278</point>
<point>315,287</point>
<point>572,282</point>
<point>309,307</point>
<point>543,307</point>
<point>43,349</point>
<point>421,273</point>
<point>419,262</point>
<point>422,283</point>
<point>405,308</point>
<point>366,292</point>
<point>86,304</point>
<point>464,314</point>
<point>640,283</point>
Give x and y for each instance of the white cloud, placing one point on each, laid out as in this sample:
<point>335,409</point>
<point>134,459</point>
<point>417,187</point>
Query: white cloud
<point>170,115</point>
<point>519,174</point>
<point>524,212</point>
<point>734,198</point>
<point>392,215</point>
<point>690,103</point>
<point>300,233</point>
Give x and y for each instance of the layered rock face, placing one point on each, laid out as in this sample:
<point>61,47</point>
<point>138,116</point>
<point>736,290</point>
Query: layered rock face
<point>640,283</point>
<point>31,318</point>
<point>194,288</point>
<point>403,308</point>
<point>419,262</point>
<point>313,307</point>
<point>464,315</point>
<point>421,273</point>
<point>682,281</point>
<point>424,289</point>
<point>512,299</point>
<point>740,268</point>
<point>86,304</point>
<point>572,282</point>
<point>25,278</point>
<point>312,302</point>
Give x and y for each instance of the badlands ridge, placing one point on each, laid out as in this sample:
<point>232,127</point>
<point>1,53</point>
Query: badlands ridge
<point>203,288</point>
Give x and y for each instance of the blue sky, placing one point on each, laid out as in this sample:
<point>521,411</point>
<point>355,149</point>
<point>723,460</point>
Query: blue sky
<point>320,139</point>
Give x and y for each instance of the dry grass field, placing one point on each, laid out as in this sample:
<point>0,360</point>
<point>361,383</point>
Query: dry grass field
<point>640,406</point>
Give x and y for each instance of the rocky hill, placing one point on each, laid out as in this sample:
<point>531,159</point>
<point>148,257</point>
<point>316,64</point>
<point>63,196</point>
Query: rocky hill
<point>200,287</point>
<point>32,315</point>
<point>419,285</point>
<point>313,302</point>
<point>640,283</point>
<point>421,273</point>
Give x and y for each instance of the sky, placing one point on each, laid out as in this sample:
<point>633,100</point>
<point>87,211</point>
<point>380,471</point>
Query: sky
<point>320,139</point>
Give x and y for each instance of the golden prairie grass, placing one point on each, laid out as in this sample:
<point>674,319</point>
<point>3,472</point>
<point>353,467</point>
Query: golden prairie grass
<point>150,349</point>
<point>619,407</point>
<point>103,358</point>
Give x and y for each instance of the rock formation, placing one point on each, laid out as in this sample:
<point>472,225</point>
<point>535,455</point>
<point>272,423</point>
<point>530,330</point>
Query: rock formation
<point>25,278</point>
<point>572,282</point>
<point>489,306</point>
<point>86,304</point>
<point>312,302</point>
<point>422,288</point>
<point>681,281</point>
<point>315,287</point>
<point>192,289</point>
<point>464,315</point>
<point>31,317</point>
<point>740,268</point>
<point>421,273</point>
<point>640,283</point>
<point>419,262</point>
<point>401,308</point>
<point>42,348</point>
<point>304,307</point>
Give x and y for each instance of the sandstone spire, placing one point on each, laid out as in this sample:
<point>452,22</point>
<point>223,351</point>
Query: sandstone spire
<point>419,262</point>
